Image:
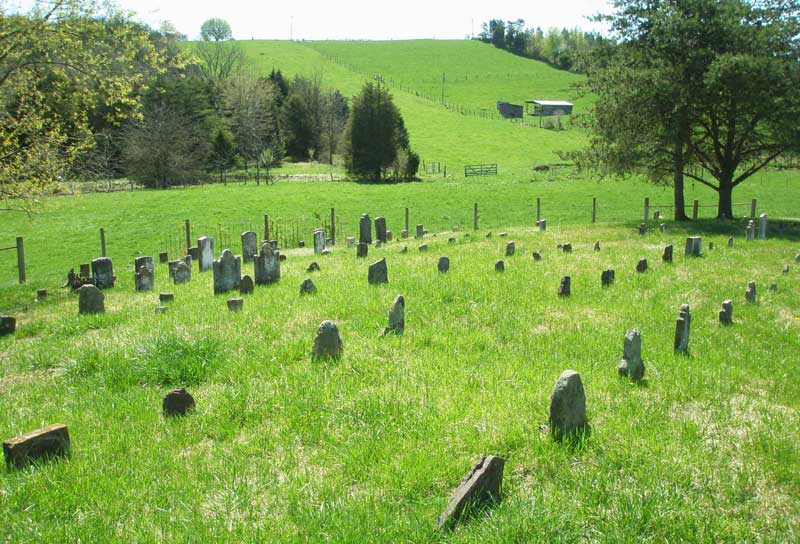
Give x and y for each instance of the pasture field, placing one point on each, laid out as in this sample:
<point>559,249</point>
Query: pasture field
<point>368,448</point>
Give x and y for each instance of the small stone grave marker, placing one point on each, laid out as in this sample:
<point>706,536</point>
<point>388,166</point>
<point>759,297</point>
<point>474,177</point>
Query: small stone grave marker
<point>378,273</point>
<point>403,249</point>
<point>423,247</point>
<point>90,300</point>
<point>177,402</point>
<point>47,442</point>
<point>773,287</point>
<point>163,257</point>
<point>166,297</point>
<point>537,256</point>
<point>566,248</point>
<point>362,250</point>
<point>564,287</point>
<point>144,279</point>
<point>730,241</point>
<point>183,272</point>
<point>351,241</point>
<point>500,266</point>
<point>246,286</point>
<point>319,241</point>
<point>365,229</point>
<point>567,406</point>
<point>542,224</point>
<point>726,313</point>
<point>380,229</point>
<point>631,364</point>
<point>8,325</point>
<point>667,255</point>
<point>607,277</point>
<point>307,287</point>
<point>313,267</point>
<point>682,329</point>
<point>41,294</point>
<point>443,265</point>
<point>397,316</point>
<point>481,487</point>
<point>510,248</point>
<point>235,304</point>
<point>642,229</point>
<point>694,246</point>
<point>762,226</point>
<point>139,262</point>
<point>103,273</point>
<point>750,294</point>
<point>327,343</point>
<point>597,245</point>
<point>420,231</point>
<point>641,266</point>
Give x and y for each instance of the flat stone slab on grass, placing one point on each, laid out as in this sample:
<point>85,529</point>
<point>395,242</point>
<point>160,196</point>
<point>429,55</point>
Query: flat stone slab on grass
<point>50,441</point>
<point>481,487</point>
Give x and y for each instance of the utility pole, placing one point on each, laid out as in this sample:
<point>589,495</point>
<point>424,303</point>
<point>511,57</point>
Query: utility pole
<point>443,88</point>
<point>291,28</point>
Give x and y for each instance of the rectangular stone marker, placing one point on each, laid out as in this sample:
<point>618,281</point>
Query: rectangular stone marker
<point>249,246</point>
<point>667,255</point>
<point>404,234</point>
<point>195,253</point>
<point>50,441</point>
<point>144,279</point>
<point>420,231</point>
<point>378,273</point>
<point>365,229</point>
<point>726,313</point>
<point>103,273</point>
<point>762,227</point>
<point>183,271</point>
<point>482,486</point>
<point>750,294</point>
<point>139,262</point>
<point>388,236</point>
<point>163,257</point>
<point>319,241</point>
<point>362,249</point>
<point>351,241</point>
<point>682,327</point>
<point>607,277</point>
<point>542,224</point>
<point>642,229</point>
<point>730,241</point>
<point>694,246</point>
<point>235,304</point>
<point>750,231</point>
<point>166,297</point>
<point>172,266</point>
<point>380,229</point>
<point>205,246</point>
<point>85,271</point>
<point>564,287</point>
<point>268,265</point>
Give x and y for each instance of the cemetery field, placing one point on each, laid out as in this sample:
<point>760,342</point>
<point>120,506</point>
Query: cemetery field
<point>369,447</point>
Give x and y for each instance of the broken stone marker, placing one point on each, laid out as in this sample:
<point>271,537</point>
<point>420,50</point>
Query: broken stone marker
<point>641,266</point>
<point>47,442</point>
<point>249,246</point>
<point>313,267</point>
<point>423,247</point>
<point>8,325</point>
<point>144,279</point>
<point>537,256</point>
<point>451,240</point>
<point>235,304</point>
<point>694,246</point>
<point>597,245</point>
<point>103,273</point>
<point>327,343</point>
<point>378,244</point>
<point>365,229</point>
<point>564,287</point>
<point>378,273</point>
<point>567,406</point>
<point>380,229</point>
<point>194,253</point>
<point>750,294</point>
<point>481,487</point>
<point>227,272</point>
<point>329,242</point>
<point>246,286</point>
<point>268,265</point>
<point>183,273</point>
<point>319,241</point>
<point>682,328</point>
<point>205,246</point>
<point>362,250</point>
<point>443,265</point>
<point>631,364</point>
<point>166,297</point>
<point>307,287</point>
<point>177,403</point>
<point>397,316</point>
<point>607,277</point>
<point>510,248</point>
<point>726,313</point>
<point>90,300</point>
<point>667,255</point>
<point>41,294</point>
<point>499,266</point>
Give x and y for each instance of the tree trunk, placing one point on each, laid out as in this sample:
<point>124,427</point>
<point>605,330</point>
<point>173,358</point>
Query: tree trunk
<point>679,163</point>
<point>725,205</point>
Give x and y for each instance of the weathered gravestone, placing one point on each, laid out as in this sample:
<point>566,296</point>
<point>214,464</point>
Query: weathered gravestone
<point>313,267</point>
<point>773,287</point>
<point>631,364</point>
<point>641,266</point>
<point>380,229</point>
<point>301,244</point>
<point>423,247</point>
<point>537,256</point>
<point>103,273</point>
<point>194,253</point>
<point>41,294</point>
<point>161,309</point>
<point>235,304</point>
<point>642,229</point>
<point>319,241</point>
<point>139,262</point>
<point>327,343</point>
<point>694,246</point>
<point>510,248</point>
<point>166,297</point>
<point>730,241</point>
<point>420,231</point>
<point>397,316</point>
<point>667,255</point>
<point>8,325</point>
<point>268,265</point>
<point>750,231</point>
<point>365,229</point>
<point>85,272</point>
<point>762,227</point>
<point>163,257</point>
<point>481,487</point>
<point>404,234</point>
<point>499,266</point>
<point>378,273</point>
<point>750,294</point>
<point>47,442</point>
<point>568,406</point>
<point>662,227</point>
<point>227,272</point>
<point>172,266</point>
<point>351,241</point>
<point>786,269</point>
<point>144,279</point>
<point>246,286</point>
<point>388,236</point>
<point>564,287</point>
<point>177,403</point>
<point>403,249</point>
<point>607,277</point>
<point>249,246</point>
<point>183,272</point>
<point>682,328</point>
<point>307,287</point>
<point>443,265</point>
<point>90,300</point>
<point>597,245</point>
<point>362,250</point>
<point>566,248</point>
<point>542,224</point>
<point>726,313</point>
<point>205,246</point>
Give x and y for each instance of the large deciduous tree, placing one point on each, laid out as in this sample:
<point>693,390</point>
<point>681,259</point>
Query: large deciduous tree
<point>216,30</point>
<point>697,89</point>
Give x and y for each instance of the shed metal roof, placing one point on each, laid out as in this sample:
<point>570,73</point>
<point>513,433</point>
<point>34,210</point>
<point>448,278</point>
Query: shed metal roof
<point>549,102</point>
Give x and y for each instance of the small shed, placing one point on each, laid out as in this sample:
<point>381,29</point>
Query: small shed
<point>548,108</point>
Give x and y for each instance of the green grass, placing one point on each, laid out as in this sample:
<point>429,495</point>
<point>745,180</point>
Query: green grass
<point>285,449</point>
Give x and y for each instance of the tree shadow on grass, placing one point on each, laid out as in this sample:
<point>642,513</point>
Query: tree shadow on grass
<point>784,229</point>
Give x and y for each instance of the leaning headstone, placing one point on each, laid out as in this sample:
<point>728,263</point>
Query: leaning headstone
<point>682,328</point>
<point>380,229</point>
<point>397,316</point>
<point>362,250</point>
<point>443,265</point>
<point>327,343</point>
<point>365,229</point>
<point>47,442</point>
<point>313,267</point>
<point>726,313</point>
<point>144,279</point>
<point>730,241</point>
<point>378,273</point>
<point>163,257</point>
<point>235,304</point>
<point>510,248</point>
<point>564,287</point>
<point>762,226</point>
<point>420,231</point>
<point>177,403</point>
<point>139,262</point>
<point>227,272</point>
<point>641,266</point>
<point>8,325</point>
<point>597,245</point>
<point>319,241</point>
<point>103,273</point>
<point>183,273</point>
<point>631,364</point>
<point>249,246</point>
<point>481,487</point>
<point>694,246</point>
<point>607,277</point>
<point>205,246</point>
<point>246,286</point>
<point>667,255</point>
<point>307,287</point>
<point>567,406</point>
<point>90,300</point>
<point>642,229</point>
<point>499,266</point>
<point>537,256</point>
<point>750,294</point>
<point>166,297</point>
<point>423,247</point>
<point>268,265</point>
<point>351,241</point>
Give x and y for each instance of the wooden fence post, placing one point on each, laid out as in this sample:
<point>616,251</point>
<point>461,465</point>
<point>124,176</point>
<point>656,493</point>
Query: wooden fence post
<point>333,225</point>
<point>102,242</point>
<point>266,228</point>
<point>188,235</point>
<point>753,208</point>
<point>475,217</point>
<point>538,208</point>
<point>21,259</point>
<point>695,210</point>
<point>406,219</point>
<point>594,209</point>
<point>646,214</point>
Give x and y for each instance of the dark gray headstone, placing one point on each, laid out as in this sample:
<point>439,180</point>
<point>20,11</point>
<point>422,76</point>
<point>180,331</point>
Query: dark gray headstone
<point>667,255</point>
<point>380,229</point>
<point>313,267</point>
<point>510,248</point>
<point>166,297</point>
<point>642,229</point>
<point>567,248</point>
<point>694,246</point>
<point>47,442</point>
<point>730,241</point>
<point>103,273</point>
<point>443,265</point>
<point>268,265</point>
<point>327,343</point>
<point>365,229</point>
<point>682,329</point>
<point>378,272</point>
<point>726,313</point>
<point>183,272</point>
<point>542,224</point>
<point>631,364</point>
<point>537,256</point>
<point>319,241</point>
<point>139,262</point>
<point>90,300</point>
<point>607,277</point>
<point>235,304</point>
<point>195,253</point>
<point>404,234</point>
<point>481,487</point>
<point>420,231</point>
<point>307,287</point>
<point>227,272</point>
<point>205,245</point>
<point>177,403</point>
<point>362,250</point>
<point>163,257</point>
<point>499,266</point>
<point>172,266</point>
<point>397,316</point>
<point>8,325</point>
<point>41,294</point>
<point>564,287</point>
<point>641,266</point>
<point>144,279</point>
<point>750,294</point>
<point>249,246</point>
<point>246,286</point>
<point>597,245</point>
<point>567,406</point>
<point>301,244</point>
